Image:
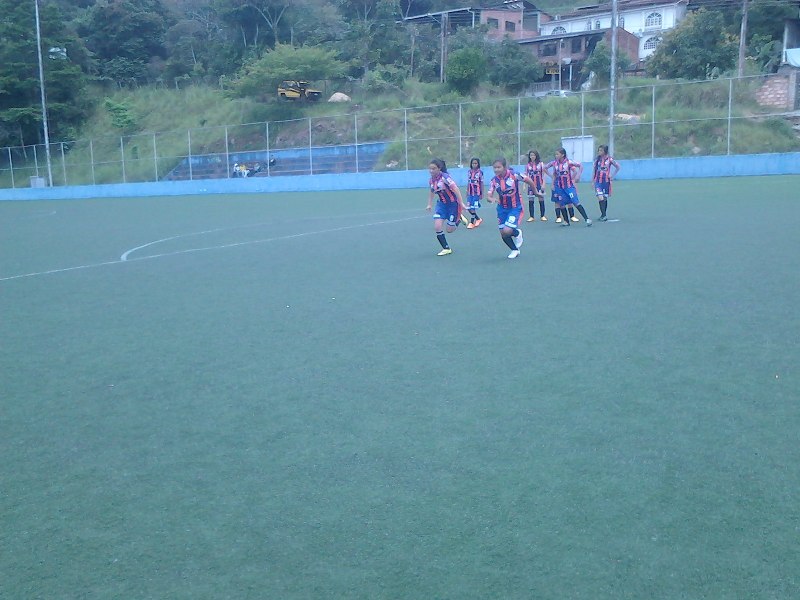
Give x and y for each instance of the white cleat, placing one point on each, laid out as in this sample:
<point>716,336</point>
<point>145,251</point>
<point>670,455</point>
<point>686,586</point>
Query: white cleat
<point>588,222</point>
<point>514,254</point>
<point>518,240</point>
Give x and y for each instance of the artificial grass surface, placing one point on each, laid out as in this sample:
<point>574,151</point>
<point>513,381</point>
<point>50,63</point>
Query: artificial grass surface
<point>344,414</point>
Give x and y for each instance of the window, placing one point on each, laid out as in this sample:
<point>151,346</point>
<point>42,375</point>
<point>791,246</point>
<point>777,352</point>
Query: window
<point>511,26</point>
<point>597,24</point>
<point>493,23</point>
<point>653,20</point>
<point>549,50</point>
<point>559,30</point>
<point>621,22</point>
<point>589,25</point>
<point>577,45</point>
<point>652,43</point>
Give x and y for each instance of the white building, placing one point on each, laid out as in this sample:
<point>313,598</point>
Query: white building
<point>646,19</point>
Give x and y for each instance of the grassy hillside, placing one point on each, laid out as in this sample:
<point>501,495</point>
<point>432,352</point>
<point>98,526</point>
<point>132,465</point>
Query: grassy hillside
<point>691,119</point>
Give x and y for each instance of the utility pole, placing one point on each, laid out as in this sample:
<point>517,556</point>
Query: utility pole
<point>443,50</point>
<point>44,102</point>
<point>742,37</point>
<point>612,77</point>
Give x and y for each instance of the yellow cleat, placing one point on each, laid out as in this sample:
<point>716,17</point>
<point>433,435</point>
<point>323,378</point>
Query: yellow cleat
<point>574,219</point>
<point>531,219</point>
<point>464,220</point>
<point>543,218</point>
<point>445,252</point>
<point>558,220</point>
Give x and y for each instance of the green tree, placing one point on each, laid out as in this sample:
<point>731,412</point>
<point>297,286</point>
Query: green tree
<point>125,36</point>
<point>465,69</point>
<point>512,67</point>
<point>698,45</point>
<point>65,83</point>
<point>599,62</point>
<point>259,78</point>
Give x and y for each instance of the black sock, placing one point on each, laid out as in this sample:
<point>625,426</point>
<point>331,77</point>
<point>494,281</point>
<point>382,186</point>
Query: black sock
<point>442,240</point>
<point>509,241</point>
<point>541,207</point>
<point>603,207</point>
<point>583,212</point>
<point>571,212</point>
<point>531,205</point>
<point>474,215</point>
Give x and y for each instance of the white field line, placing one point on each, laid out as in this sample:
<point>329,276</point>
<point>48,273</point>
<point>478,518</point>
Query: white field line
<point>124,258</point>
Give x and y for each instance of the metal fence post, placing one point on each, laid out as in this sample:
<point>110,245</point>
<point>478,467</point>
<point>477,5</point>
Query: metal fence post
<point>653,127</point>
<point>91,159</point>
<point>405,133</point>
<point>519,129</point>
<point>189,157</point>
<point>122,158</point>
<point>730,111</point>
<point>310,153</point>
<point>269,158</point>
<point>155,156</point>
<point>35,160</point>
<point>63,163</point>
<point>227,155</point>
<point>460,131</point>
<point>355,124</point>
<point>11,167</point>
<point>583,112</point>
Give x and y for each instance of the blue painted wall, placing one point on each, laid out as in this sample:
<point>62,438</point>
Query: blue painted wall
<point>659,168</point>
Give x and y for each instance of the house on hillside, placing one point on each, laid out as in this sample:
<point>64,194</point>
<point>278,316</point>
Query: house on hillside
<point>645,19</point>
<point>563,54</point>
<point>517,19</point>
<point>563,42</point>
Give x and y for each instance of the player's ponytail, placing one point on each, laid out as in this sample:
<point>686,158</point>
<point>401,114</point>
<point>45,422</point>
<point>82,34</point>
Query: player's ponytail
<point>440,164</point>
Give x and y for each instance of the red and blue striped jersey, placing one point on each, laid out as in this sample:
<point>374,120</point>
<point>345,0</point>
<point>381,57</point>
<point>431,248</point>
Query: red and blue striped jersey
<point>475,182</point>
<point>444,186</point>
<point>536,172</point>
<point>562,172</point>
<point>507,189</point>
<point>602,169</point>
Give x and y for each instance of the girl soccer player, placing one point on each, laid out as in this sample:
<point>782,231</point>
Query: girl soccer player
<point>449,204</point>
<point>474,192</point>
<point>565,174</point>
<point>602,176</point>
<point>505,184</point>
<point>535,170</point>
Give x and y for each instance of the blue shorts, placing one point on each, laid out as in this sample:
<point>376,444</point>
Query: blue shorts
<point>508,217</point>
<point>602,188</point>
<point>448,211</point>
<point>565,196</point>
<point>474,201</point>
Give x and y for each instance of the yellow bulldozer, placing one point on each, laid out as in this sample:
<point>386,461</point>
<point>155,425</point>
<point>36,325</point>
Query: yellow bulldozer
<point>298,90</point>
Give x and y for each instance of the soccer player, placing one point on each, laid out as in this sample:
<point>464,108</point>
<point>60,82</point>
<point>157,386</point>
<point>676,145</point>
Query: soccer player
<point>602,176</point>
<point>474,192</point>
<point>505,185</point>
<point>565,174</point>
<point>535,170</point>
<point>448,205</point>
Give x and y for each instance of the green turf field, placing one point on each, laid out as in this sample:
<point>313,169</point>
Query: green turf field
<point>292,396</point>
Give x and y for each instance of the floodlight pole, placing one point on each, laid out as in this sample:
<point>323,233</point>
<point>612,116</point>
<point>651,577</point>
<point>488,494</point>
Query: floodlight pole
<point>44,102</point>
<point>612,77</point>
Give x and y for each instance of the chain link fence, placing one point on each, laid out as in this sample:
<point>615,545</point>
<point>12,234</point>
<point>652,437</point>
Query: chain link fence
<point>748,115</point>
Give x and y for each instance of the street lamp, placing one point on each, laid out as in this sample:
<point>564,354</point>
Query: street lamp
<point>44,102</point>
